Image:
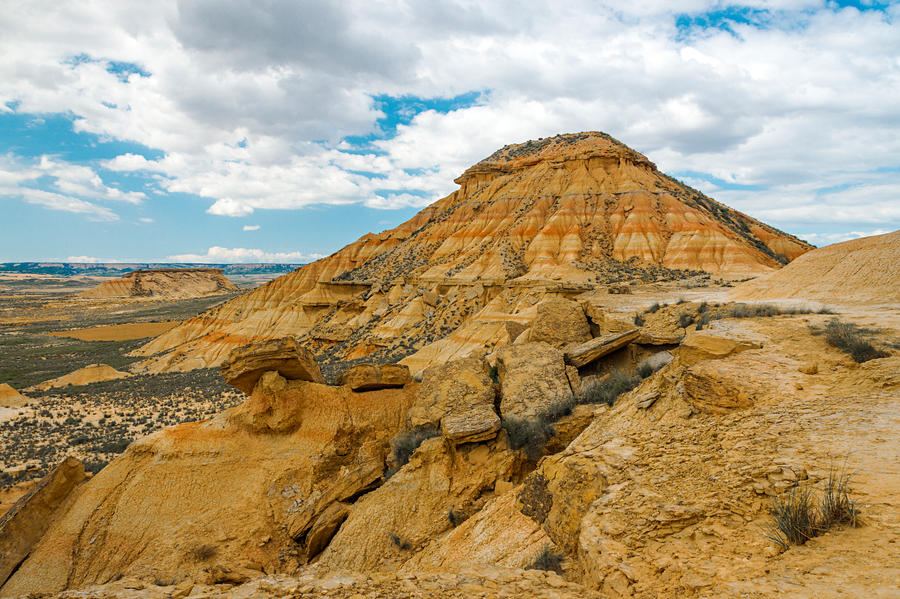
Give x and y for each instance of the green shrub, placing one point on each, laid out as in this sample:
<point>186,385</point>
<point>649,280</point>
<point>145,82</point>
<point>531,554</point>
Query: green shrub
<point>456,518</point>
<point>851,339</point>
<point>202,553</point>
<point>407,442</point>
<point>607,390</point>
<point>528,435</point>
<point>400,543</point>
<point>547,560</point>
<point>703,320</point>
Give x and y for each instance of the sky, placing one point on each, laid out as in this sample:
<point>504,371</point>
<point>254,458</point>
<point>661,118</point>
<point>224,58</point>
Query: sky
<point>279,131</point>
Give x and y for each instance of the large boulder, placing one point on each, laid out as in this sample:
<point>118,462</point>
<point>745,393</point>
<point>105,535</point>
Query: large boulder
<point>368,377</point>
<point>559,321</point>
<point>417,505</point>
<point>25,523</point>
<point>533,380</point>
<point>458,397</point>
<point>245,365</point>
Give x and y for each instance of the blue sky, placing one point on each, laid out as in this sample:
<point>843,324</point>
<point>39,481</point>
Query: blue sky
<point>266,131</point>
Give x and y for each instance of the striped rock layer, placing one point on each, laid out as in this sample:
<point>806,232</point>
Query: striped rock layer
<point>558,214</point>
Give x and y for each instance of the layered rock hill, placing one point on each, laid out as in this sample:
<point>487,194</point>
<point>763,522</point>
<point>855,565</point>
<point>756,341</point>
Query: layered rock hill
<point>558,214</point>
<point>302,489</point>
<point>865,270</point>
<point>164,283</point>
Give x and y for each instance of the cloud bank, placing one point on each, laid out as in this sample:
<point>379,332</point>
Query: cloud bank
<point>784,109</point>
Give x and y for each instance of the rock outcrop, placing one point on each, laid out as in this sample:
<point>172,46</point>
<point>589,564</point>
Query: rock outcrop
<point>559,322</point>
<point>256,489</point>
<point>25,523</point>
<point>10,398</point>
<point>93,373</point>
<point>663,493</point>
<point>533,380</point>
<point>457,397</point>
<point>245,365</point>
<point>860,271</point>
<point>164,283</point>
<point>549,217</point>
<point>581,354</point>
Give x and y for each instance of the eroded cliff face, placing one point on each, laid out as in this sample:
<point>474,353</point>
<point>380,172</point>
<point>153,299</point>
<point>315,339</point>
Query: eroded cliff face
<point>164,283</point>
<point>566,213</point>
<point>222,500</point>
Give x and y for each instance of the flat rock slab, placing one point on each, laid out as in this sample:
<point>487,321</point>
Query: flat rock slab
<point>369,377</point>
<point>245,365</point>
<point>709,345</point>
<point>585,353</point>
<point>478,423</point>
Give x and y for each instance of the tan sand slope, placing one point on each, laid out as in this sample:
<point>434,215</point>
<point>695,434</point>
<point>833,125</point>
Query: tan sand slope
<point>580,209</point>
<point>10,398</point>
<point>93,373</point>
<point>865,270</point>
<point>164,283</point>
<point>118,332</point>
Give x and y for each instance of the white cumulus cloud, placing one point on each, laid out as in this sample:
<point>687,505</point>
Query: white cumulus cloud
<point>251,227</point>
<point>251,115</point>
<point>218,254</point>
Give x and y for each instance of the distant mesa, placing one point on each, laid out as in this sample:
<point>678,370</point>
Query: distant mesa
<point>113,269</point>
<point>860,271</point>
<point>563,214</point>
<point>164,283</point>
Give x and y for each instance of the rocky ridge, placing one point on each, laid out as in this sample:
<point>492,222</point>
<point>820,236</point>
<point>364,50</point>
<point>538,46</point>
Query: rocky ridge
<point>558,215</point>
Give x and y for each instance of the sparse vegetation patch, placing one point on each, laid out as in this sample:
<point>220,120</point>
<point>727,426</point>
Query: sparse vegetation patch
<point>798,516</point>
<point>547,560</point>
<point>851,339</point>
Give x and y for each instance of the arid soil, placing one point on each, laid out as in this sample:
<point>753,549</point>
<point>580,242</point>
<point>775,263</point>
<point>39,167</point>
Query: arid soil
<point>118,332</point>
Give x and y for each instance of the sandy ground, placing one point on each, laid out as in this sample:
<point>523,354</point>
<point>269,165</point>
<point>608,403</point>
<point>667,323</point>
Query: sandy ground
<point>118,332</point>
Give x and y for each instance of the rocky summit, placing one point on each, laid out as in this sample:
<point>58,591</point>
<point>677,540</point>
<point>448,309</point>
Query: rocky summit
<point>570,212</point>
<point>164,283</point>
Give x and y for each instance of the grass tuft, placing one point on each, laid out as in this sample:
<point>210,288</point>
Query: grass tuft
<point>607,390</point>
<point>798,517</point>
<point>407,442</point>
<point>548,561</point>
